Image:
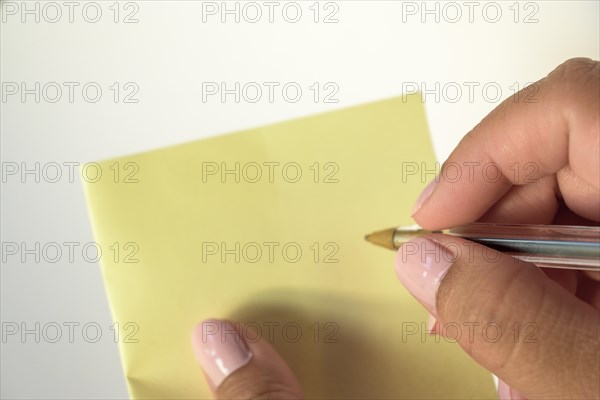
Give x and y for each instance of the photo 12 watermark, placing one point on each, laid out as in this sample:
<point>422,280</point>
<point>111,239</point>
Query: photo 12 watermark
<point>518,173</point>
<point>269,92</point>
<point>271,331</point>
<point>454,12</point>
<point>255,12</point>
<point>290,252</point>
<point>492,251</point>
<point>52,172</point>
<point>70,12</point>
<point>471,92</point>
<point>270,172</point>
<point>88,92</point>
<point>453,332</point>
<point>69,252</point>
<point>69,332</point>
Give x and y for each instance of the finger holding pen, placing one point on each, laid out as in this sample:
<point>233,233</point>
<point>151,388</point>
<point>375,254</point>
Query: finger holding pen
<point>556,141</point>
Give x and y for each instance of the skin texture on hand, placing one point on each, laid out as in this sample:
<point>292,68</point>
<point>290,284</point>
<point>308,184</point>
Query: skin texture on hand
<point>546,150</point>
<point>535,161</point>
<point>526,162</point>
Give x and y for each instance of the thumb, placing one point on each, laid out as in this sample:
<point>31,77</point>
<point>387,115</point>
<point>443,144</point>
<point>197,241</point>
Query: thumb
<point>507,315</point>
<point>241,368</point>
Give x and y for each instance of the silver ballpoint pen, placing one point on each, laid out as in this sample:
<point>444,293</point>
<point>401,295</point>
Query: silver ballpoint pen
<point>549,246</point>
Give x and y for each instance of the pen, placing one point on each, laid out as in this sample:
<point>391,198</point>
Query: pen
<point>549,246</point>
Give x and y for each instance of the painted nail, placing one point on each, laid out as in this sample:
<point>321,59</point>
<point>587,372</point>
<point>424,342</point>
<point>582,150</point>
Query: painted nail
<point>421,264</point>
<point>516,395</point>
<point>219,349</point>
<point>505,392</point>
<point>425,194</point>
<point>432,325</point>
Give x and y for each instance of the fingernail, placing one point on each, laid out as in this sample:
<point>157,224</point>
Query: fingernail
<point>219,349</point>
<point>505,392</point>
<point>421,264</point>
<point>432,325</point>
<point>425,194</point>
<point>516,395</point>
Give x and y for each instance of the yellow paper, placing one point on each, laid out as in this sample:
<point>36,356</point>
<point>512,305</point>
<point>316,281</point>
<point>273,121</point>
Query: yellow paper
<point>337,313</point>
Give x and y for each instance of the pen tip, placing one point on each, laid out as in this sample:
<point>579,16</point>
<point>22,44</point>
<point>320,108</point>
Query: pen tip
<point>383,238</point>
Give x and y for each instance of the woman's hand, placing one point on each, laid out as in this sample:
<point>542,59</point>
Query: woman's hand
<point>533,163</point>
<point>548,157</point>
<point>222,351</point>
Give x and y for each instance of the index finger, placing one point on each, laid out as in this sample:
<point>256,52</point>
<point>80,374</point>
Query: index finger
<point>520,142</point>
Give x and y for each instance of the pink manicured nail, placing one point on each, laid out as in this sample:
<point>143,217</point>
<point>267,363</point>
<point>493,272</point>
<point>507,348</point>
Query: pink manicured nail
<point>421,264</point>
<point>506,393</point>
<point>432,325</point>
<point>503,391</point>
<point>219,349</point>
<point>425,194</point>
<point>516,395</point>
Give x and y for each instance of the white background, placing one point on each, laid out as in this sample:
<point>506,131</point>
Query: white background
<point>373,51</point>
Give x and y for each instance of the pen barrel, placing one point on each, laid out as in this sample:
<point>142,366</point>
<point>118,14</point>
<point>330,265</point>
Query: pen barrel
<point>553,246</point>
<point>557,254</point>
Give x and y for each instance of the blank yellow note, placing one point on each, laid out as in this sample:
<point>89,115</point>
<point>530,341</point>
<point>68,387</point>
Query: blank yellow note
<point>266,226</point>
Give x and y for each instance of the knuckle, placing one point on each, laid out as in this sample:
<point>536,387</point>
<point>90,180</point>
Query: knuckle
<point>279,394</point>
<point>273,391</point>
<point>504,307</point>
<point>531,317</point>
<point>577,73</point>
<point>250,387</point>
<point>578,65</point>
<point>490,295</point>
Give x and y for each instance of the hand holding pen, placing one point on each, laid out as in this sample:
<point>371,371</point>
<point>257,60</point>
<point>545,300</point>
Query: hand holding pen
<point>555,144</point>
<point>548,156</point>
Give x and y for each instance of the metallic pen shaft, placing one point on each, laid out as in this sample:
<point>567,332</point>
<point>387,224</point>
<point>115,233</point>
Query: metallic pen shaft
<point>551,246</point>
